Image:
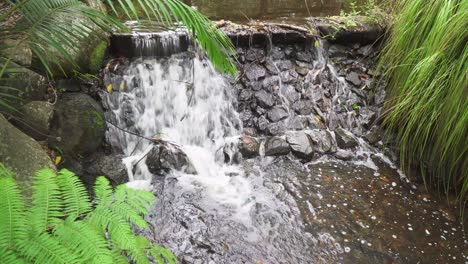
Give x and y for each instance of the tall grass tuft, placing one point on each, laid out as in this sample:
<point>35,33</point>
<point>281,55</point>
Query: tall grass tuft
<point>426,60</point>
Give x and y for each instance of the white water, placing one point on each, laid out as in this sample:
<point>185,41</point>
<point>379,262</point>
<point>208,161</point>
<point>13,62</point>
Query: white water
<point>184,101</point>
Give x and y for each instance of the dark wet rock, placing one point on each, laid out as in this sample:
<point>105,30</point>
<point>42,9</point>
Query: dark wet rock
<point>249,146</point>
<point>300,144</point>
<point>35,119</point>
<point>68,85</point>
<point>289,76</point>
<point>78,125</point>
<point>365,50</point>
<point>374,135</point>
<point>271,83</point>
<point>265,99</point>
<point>290,93</point>
<point>276,129</point>
<point>367,117</point>
<point>303,107</point>
<point>271,66</point>
<point>305,56</point>
<point>344,154</point>
<point>110,166</point>
<point>247,118</point>
<point>289,52</point>
<point>338,51</point>
<point>254,72</point>
<point>164,158</point>
<point>284,65</point>
<point>277,53</point>
<point>262,124</point>
<point>353,78</point>
<point>277,113</point>
<point>276,146</point>
<point>298,123</point>
<point>249,131</point>
<point>322,141</point>
<point>345,139</point>
<point>245,95</point>
<point>255,54</point>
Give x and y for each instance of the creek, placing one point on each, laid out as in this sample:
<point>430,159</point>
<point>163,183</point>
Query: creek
<point>344,203</point>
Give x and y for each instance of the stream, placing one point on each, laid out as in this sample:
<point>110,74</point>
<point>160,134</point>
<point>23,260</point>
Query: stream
<point>218,207</point>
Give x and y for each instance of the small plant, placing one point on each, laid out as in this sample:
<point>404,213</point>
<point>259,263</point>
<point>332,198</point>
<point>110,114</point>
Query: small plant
<point>62,225</point>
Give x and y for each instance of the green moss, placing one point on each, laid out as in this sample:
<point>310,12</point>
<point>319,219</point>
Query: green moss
<point>97,57</point>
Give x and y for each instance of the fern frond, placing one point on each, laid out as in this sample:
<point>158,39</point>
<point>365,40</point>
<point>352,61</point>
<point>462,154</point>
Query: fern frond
<point>102,192</point>
<point>139,200</point>
<point>11,257</point>
<point>82,239</point>
<point>44,248</point>
<point>47,201</point>
<point>12,211</point>
<point>128,214</point>
<point>75,197</point>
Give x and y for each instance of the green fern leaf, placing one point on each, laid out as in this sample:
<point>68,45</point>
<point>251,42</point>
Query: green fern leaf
<point>102,192</point>
<point>81,238</point>
<point>47,201</point>
<point>75,197</point>
<point>12,210</point>
<point>44,248</point>
<point>139,200</point>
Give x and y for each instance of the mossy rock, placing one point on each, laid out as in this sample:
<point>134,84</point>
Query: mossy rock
<point>97,57</point>
<point>78,125</point>
<point>21,153</point>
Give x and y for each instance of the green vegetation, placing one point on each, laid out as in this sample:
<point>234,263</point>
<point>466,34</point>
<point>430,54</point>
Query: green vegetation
<point>62,225</point>
<point>54,29</point>
<point>426,60</point>
<point>97,57</point>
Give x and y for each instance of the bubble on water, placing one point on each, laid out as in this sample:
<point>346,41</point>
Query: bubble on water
<point>347,249</point>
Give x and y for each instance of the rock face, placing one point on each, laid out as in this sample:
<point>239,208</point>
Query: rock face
<point>300,144</point>
<point>276,146</point>
<point>164,158</point>
<point>21,153</point>
<point>36,118</point>
<point>345,139</point>
<point>78,125</point>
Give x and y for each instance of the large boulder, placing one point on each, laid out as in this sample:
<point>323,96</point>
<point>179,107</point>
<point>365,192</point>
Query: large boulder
<point>164,158</point>
<point>300,144</point>
<point>28,86</point>
<point>35,119</point>
<point>78,125</point>
<point>21,153</point>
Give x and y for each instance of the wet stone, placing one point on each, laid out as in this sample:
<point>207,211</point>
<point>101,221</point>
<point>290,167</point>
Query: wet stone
<point>353,78</point>
<point>288,76</point>
<point>302,71</point>
<point>277,53</point>
<point>276,146</point>
<point>345,155</point>
<point>322,141</point>
<point>277,113</point>
<point>262,124</point>
<point>300,144</point>
<point>284,65</point>
<point>276,129</point>
<point>255,72</point>
<point>164,158</point>
<point>345,139</point>
<point>265,99</point>
<point>249,146</point>
<point>254,54</point>
<point>305,56</point>
<point>290,93</point>
<point>303,107</point>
